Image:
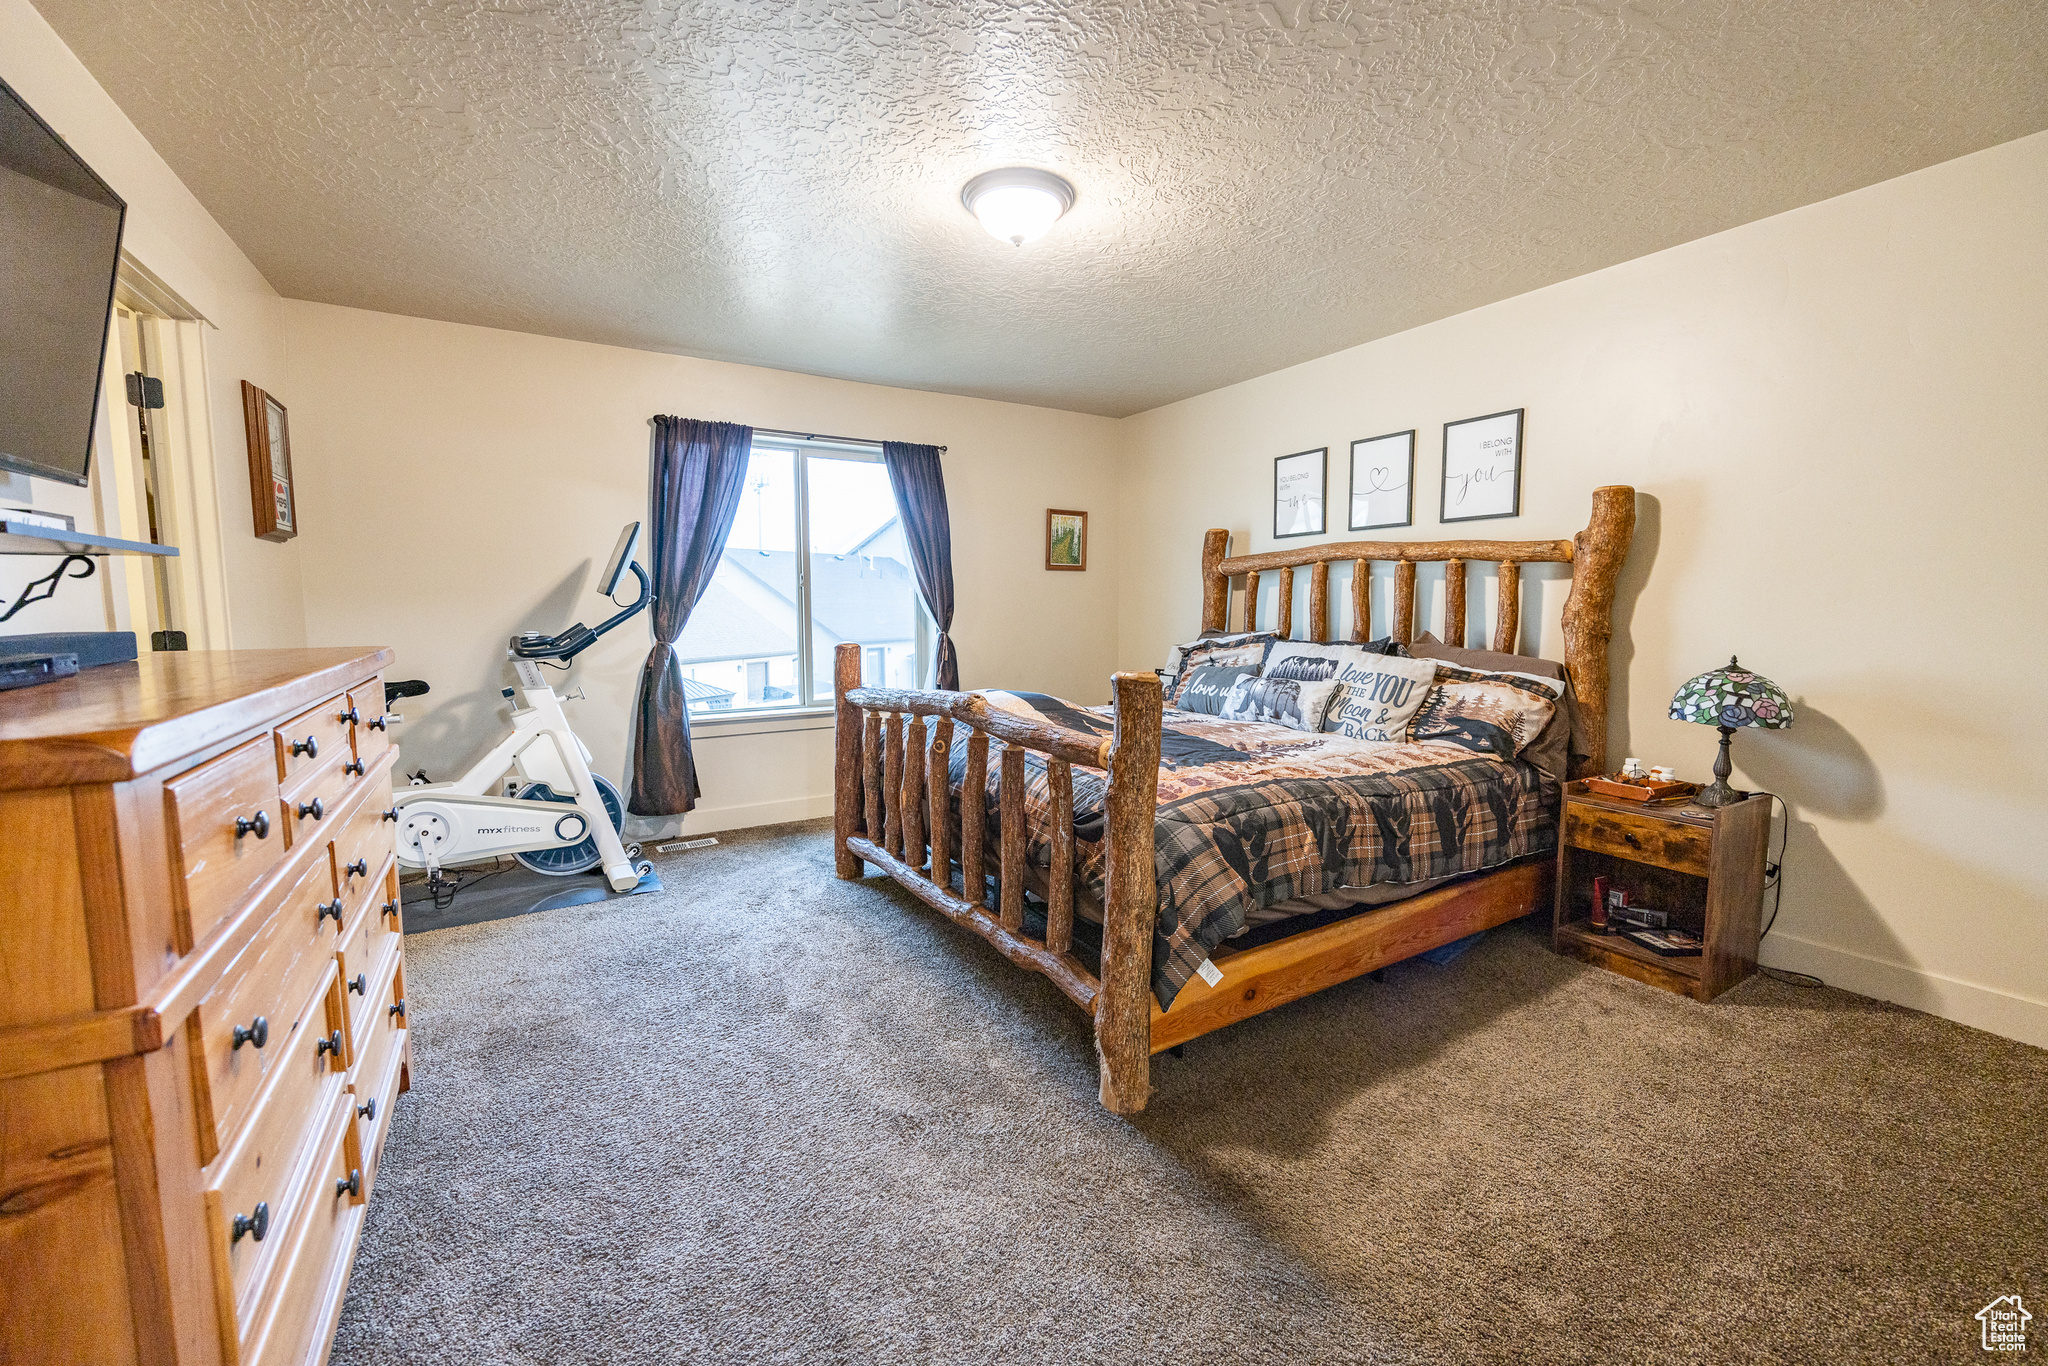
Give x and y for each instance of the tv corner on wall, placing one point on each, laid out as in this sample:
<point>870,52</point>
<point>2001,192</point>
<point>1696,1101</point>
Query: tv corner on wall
<point>1482,468</point>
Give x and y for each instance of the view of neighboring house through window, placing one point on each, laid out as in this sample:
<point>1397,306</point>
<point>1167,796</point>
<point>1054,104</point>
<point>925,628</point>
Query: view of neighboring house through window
<point>763,635</point>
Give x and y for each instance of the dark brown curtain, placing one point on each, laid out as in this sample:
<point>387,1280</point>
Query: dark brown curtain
<point>920,487</point>
<point>699,470</point>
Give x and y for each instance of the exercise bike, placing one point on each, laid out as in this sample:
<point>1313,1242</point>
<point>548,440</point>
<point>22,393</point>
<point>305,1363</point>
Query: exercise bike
<point>533,796</point>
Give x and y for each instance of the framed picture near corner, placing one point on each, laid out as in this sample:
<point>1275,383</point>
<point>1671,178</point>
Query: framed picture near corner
<point>271,495</point>
<point>1482,468</point>
<point>1066,539</point>
<point>1298,493</point>
<point>1383,481</point>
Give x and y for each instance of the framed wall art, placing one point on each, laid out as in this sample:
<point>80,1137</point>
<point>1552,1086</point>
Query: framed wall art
<point>1383,481</point>
<point>270,465</point>
<point>1483,467</point>
<point>1066,539</point>
<point>1298,493</point>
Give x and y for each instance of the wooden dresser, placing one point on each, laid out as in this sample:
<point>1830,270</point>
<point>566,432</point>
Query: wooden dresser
<point>202,1003</point>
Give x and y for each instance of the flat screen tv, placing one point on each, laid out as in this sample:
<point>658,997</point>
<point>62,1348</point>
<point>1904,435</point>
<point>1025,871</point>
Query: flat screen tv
<point>60,243</point>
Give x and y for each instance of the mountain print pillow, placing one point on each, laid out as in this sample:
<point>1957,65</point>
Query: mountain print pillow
<point>1496,714</point>
<point>1279,701</point>
<point>1245,647</point>
<point>1377,696</point>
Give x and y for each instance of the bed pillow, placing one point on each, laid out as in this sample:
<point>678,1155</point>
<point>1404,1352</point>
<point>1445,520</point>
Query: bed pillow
<point>1204,687</point>
<point>1289,702</point>
<point>1552,750</point>
<point>1311,661</point>
<point>1377,696</point>
<point>1243,647</point>
<point>1495,714</point>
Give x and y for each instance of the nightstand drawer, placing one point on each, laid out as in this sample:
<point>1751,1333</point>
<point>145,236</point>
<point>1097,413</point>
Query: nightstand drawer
<point>1668,844</point>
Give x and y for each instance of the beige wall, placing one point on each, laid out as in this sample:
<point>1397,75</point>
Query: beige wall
<point>1838,420</point>
<point>460,484</point>
<point>172,234</point>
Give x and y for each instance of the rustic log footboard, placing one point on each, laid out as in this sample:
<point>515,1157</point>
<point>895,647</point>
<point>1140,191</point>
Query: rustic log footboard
<point>893,808</point>
<point>893,803</point>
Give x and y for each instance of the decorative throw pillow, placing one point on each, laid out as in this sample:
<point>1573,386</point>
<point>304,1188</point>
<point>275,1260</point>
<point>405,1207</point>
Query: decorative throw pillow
<point>1377,695</point>
<point>1204,687</point>
<point>1554,746</point>
<point>1312,661</point>
<point>1286,702</point>
<point>1495,714</point>
<point>1227,650</point>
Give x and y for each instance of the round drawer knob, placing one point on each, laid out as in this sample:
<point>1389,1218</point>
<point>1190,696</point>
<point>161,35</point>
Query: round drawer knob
<point>349,716</point>
<point>257,825</point>
<point>382,723</point>
<point>391,815</point>
<point>313,809</point>
<point>389,908</point>
<point>330,1044</point>
<point>397,1008</point>
<point>310,747</point>
<point>359,984</point>
<point>359,868</point>
<point>325,909</point>
<point>355,767</point>
<point>352,1186</point>
<point>255,1224</point>
<point>368,1109</point>
<point>257,1034</point>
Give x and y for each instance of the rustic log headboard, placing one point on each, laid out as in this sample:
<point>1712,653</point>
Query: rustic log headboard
<point>1594,554</point>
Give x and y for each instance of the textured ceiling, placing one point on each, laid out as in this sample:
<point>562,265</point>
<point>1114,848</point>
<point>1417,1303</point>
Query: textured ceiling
<point>777,181</point>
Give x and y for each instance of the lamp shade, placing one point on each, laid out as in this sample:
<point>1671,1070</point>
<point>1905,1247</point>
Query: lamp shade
<point>1732,697</point>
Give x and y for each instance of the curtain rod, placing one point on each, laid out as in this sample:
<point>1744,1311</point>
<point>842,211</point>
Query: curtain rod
<point>815,436</point>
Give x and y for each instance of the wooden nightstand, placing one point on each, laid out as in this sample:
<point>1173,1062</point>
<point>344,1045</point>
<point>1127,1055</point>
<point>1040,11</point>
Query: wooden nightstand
<point>1704,867</point>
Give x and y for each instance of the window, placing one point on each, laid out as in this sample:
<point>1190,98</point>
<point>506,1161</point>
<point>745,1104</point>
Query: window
<point>763,635</point>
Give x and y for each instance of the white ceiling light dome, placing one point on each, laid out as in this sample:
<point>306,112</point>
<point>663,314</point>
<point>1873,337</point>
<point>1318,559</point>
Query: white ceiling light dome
<point>1018,203</point>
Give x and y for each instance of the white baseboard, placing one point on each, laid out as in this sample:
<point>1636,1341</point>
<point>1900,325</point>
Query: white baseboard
<point>709,820</point>
<point>1985,1008</point>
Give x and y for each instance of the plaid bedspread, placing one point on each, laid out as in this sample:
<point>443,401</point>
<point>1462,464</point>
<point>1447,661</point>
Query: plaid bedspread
<point>1251,815</point>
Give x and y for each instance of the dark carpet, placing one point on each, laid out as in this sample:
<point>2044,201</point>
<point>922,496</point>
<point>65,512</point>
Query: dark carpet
<point>766,1116</point>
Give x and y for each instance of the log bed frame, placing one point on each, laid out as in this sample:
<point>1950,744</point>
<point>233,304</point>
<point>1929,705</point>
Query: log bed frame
<point>892,806</point>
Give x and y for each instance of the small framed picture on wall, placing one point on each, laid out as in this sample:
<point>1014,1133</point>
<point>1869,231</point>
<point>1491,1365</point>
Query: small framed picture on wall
<point>1383,481</point>
<point>270,465</point>
<point>1066,539</point>
<point>1483,467</point>
<point>1298,493</point>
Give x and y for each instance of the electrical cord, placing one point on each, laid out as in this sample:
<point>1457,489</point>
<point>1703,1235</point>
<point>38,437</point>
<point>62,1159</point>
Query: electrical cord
<point>1774,882</point>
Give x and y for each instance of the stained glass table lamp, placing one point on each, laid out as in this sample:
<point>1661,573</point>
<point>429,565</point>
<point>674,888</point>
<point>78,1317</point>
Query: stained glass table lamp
<point>1730,698</point>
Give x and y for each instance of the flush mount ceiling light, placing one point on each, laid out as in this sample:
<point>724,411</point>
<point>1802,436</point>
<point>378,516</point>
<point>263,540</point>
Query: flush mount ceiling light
<point>1017,204</point>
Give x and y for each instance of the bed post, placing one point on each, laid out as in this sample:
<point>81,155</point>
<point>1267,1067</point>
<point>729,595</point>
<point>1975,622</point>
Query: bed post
<point>1123,1007</point>
<point>1597,553</point>
<point>1215,587</point>
<point>845,759</point>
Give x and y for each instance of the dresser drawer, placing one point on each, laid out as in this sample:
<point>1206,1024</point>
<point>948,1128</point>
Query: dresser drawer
<point>1683,848</point>
<point>366,955</point>
<point>384,1037</point>
<point>312,738</point>
<point>260,1000</point>
<point>371,732</point>
<point>254,1190</point>
<point>375,1096</point>
<point>228,829</point>
<point>364,839</point>
<point>296,1321</point>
